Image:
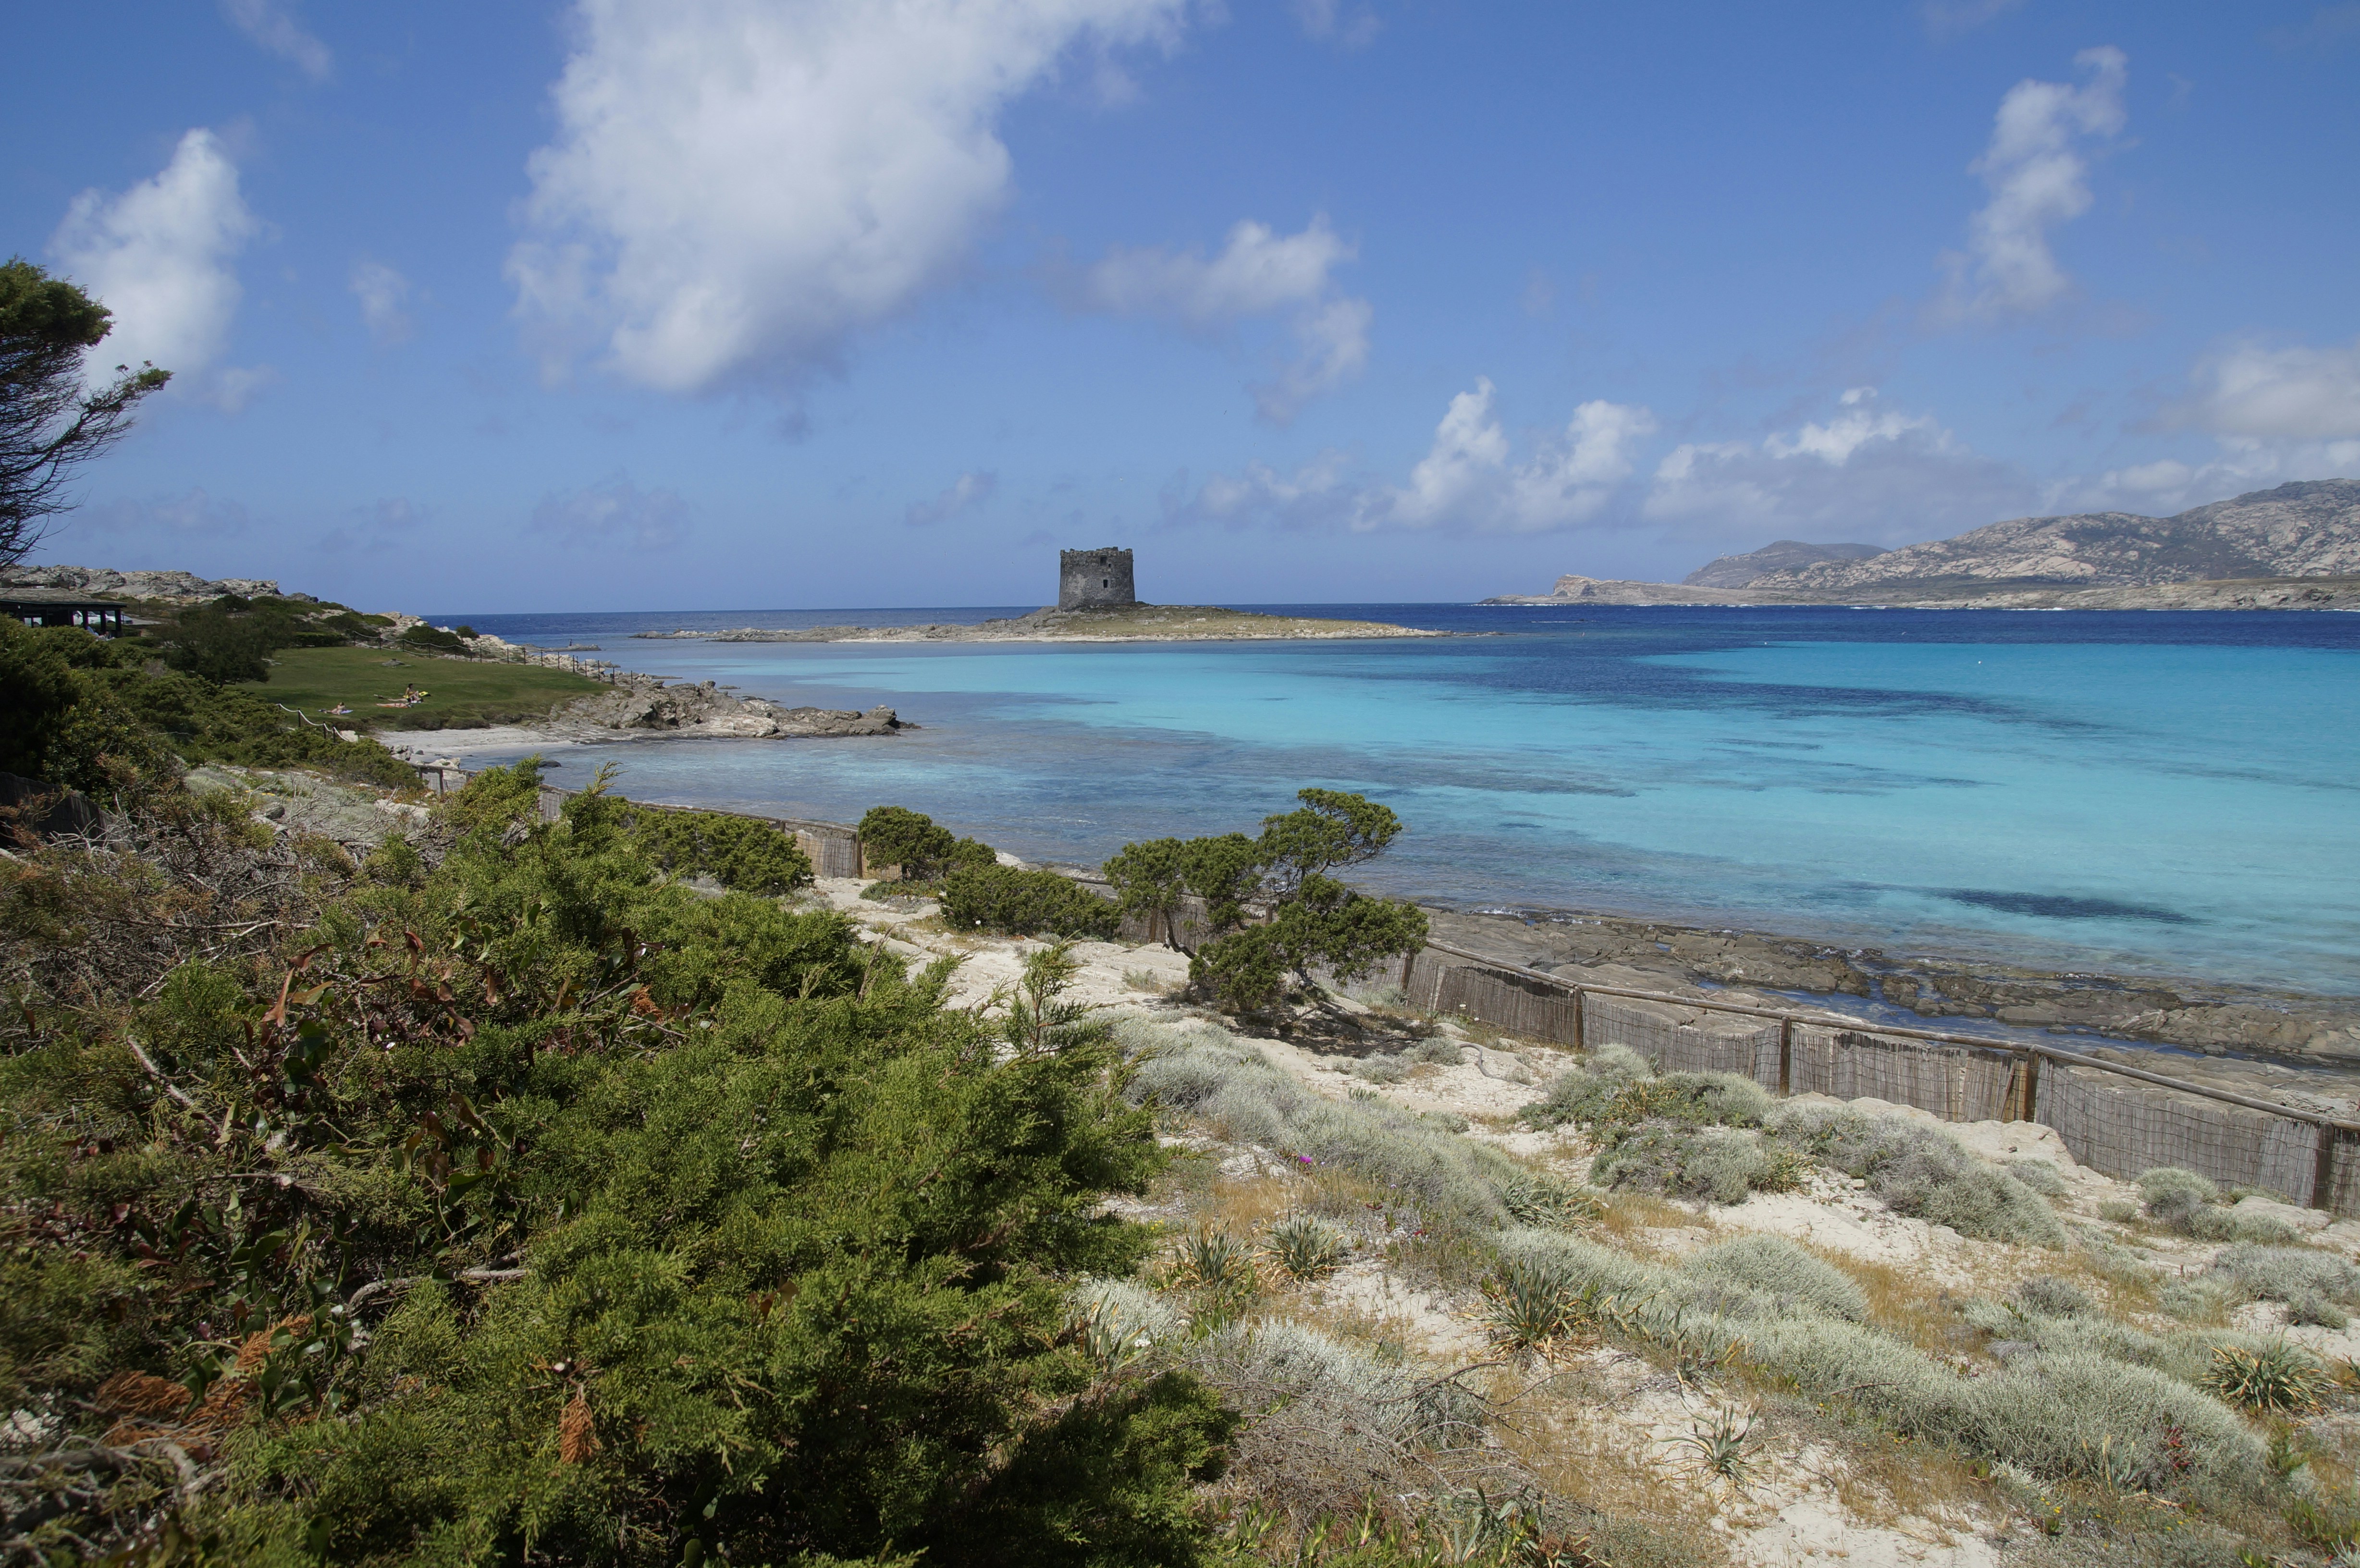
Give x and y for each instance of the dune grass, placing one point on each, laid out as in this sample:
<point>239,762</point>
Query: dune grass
<point>463,694</point>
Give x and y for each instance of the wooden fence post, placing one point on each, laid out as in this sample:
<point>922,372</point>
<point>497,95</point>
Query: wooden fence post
<point>1786,1056</point>
<point>1580,1015</point>
<point>2322,1169</point>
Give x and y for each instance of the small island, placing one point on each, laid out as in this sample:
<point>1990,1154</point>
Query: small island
<point>1096,603</point>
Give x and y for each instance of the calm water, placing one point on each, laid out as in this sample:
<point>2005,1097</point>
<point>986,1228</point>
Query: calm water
<point>2170,792</point>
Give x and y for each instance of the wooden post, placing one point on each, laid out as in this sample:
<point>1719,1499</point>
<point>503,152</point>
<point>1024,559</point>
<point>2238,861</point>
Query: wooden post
<point>1581,1019</point>
<point>2031,1086</point>
<point>1786,1056</point>
<point>2323,1169</point>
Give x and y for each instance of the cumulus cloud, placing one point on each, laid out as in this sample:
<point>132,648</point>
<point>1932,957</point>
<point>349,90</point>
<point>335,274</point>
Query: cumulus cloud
<point>384,295</point>
<point>271,25</point>
<point>1259,272</point>
<point>2276,413</point>
<point>2259,392</point>
<point>2037,168</point>
<point>160,256</point>
<point>737,187</point>
<point>613,512</point>
<point>969,490</point>
<point>1868,473</point>
<point>1468,480</point>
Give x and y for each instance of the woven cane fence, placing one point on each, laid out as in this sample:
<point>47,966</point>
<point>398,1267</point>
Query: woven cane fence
<point>2116,1119</point>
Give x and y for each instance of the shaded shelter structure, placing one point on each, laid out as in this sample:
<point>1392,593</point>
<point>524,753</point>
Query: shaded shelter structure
<point>63,607</point>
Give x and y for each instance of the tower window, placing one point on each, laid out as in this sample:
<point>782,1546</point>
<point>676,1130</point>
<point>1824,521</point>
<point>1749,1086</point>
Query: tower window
<point>1106,581</point>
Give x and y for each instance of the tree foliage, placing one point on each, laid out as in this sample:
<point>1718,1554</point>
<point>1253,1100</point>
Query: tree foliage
<point>741,853</point>
<point>926,852</point>
<point>1008,901</point>
<point>1315,923</point>
<point>502,1200</point>
<point>50,423</point>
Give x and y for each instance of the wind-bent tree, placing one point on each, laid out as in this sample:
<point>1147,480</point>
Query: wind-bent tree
<point>51,421</point>
<point>1314,922</point>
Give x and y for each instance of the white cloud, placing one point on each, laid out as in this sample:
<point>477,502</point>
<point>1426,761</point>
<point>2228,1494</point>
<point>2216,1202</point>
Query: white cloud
<point>271,25</point>
<point>737,187</point>
<point>2037,168</point>
<point>614,511</point>
<point>1868,473</point>
<point>383,293</point>
<point>1468,482</point>
<point>2276,413</point>
<point>159,256</point>
<point>2279,394</point>
<point>1259,272</point>
<point>972,489</point>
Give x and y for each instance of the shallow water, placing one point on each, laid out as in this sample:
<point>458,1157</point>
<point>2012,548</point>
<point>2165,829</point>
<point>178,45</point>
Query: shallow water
<point>2175,793</point>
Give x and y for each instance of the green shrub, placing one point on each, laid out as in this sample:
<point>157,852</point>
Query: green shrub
<point>692,1227</point>
<point>1304,1246</point>
<point>2240,1224</point>
<point>2272,1379</point>
<point>741,853</point>
<point>1703,1163</point>
<point>895,835</point>
<point>1011,902</point>
<point>1920,1170</point>
<point>2037,1174</point>
<point>430,639</point>
<point>1782,1270</point>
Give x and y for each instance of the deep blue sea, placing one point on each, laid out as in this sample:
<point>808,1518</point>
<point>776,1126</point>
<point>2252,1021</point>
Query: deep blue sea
<point>2160,792</point>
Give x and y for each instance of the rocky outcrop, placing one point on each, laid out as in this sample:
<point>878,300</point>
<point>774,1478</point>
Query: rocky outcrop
<point>1786,555</point>
<point>1128,623</point>
<point>164,587</point>
<point>642,705</point>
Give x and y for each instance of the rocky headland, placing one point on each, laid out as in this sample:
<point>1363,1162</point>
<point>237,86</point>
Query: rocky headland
<point>2293,547</point>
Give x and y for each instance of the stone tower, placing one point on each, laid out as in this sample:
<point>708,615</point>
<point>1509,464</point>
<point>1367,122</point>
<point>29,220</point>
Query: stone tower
<point>1094,580</point>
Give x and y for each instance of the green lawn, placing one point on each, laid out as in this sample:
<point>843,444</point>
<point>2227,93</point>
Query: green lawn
<point>462,693</point>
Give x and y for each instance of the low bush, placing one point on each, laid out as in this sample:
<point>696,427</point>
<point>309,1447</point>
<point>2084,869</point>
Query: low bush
<point>2037,1174</point>
<point>2287,1274</point>
<point>1782,1270</point>
<point>1921,1171</point>
<point>431,640</point>
<point>1440,1179</point>
<point>2241,1224</point>
<point>1701,1163</point>
<point>1618,1089</point>
<point>2271,1378</point>
<point>2173,1195</point>
<point>741,853</point>
<point>895,836</point>
<point>2056,1298</point>
<point>1328,1423</point>
<point>1007,901</point>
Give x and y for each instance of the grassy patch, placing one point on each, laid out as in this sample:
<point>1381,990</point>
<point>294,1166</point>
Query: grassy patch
<point>462,693</point>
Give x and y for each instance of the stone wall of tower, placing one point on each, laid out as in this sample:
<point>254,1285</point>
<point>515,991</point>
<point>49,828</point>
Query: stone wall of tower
<point>1094,578</point>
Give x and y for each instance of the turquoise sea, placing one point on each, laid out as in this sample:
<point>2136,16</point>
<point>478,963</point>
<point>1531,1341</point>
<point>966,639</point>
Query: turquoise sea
<point>2169,793</point>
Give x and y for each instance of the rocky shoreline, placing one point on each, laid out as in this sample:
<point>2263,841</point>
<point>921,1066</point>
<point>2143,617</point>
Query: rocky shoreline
<point>1939,992</point>
<point>2228,593</point>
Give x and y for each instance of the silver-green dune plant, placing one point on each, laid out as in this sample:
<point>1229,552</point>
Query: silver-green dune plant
<point>1919,1170</point>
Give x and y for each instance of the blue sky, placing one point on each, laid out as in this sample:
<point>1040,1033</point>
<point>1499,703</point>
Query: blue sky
<point>754,303</point>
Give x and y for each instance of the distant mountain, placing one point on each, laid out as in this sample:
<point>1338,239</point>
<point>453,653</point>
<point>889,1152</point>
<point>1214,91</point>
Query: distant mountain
<point>2305,529</point>
<point>1786,555</point>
